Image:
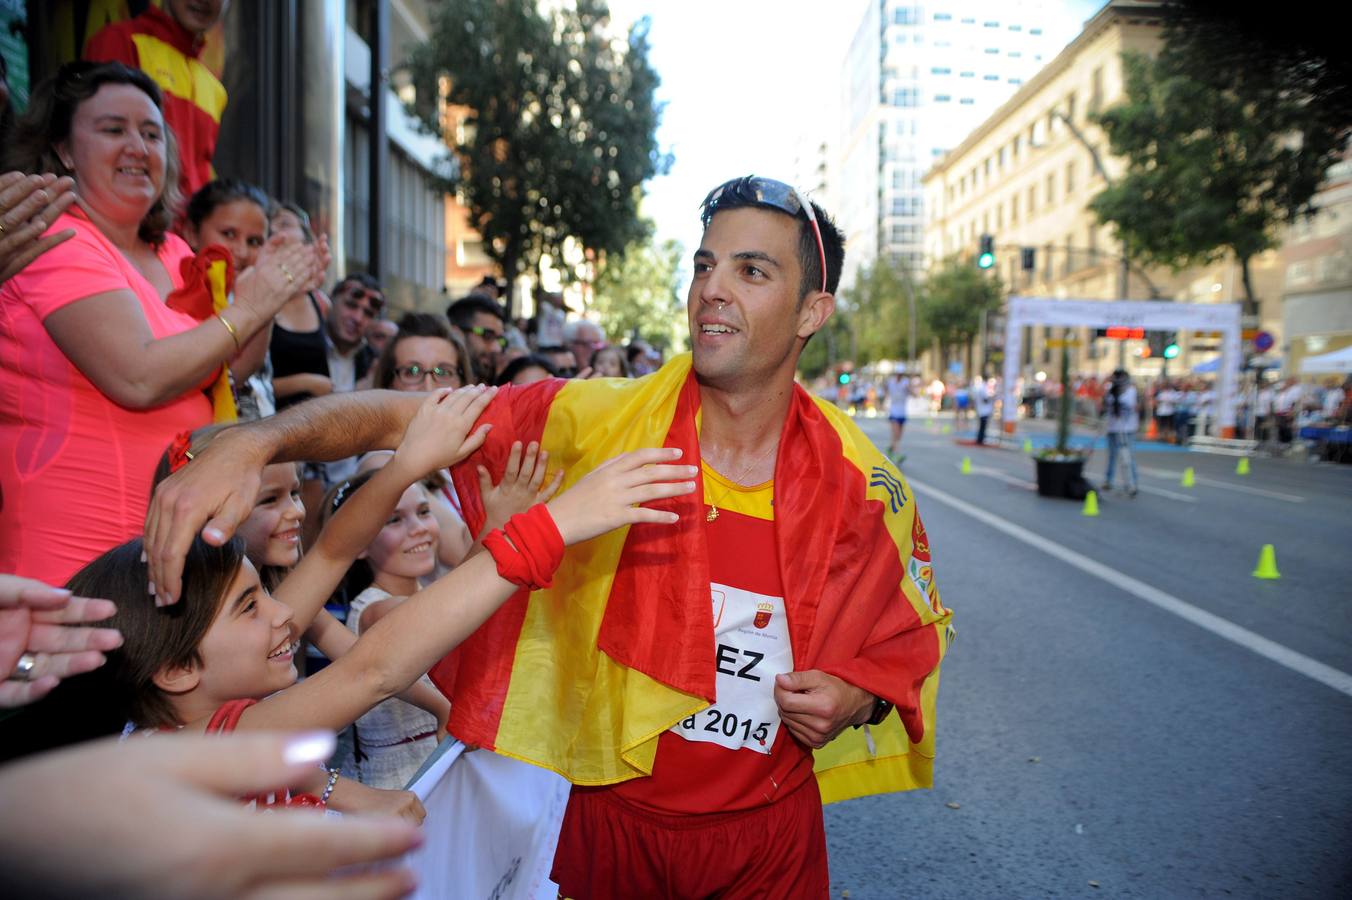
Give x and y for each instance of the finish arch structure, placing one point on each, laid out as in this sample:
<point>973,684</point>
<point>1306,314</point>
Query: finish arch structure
<point>1152,315</point>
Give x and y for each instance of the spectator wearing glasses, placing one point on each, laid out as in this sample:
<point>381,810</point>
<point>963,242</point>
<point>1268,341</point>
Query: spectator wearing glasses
<point>562,359</point>
<point>424,355</point>
<point>483,326</point>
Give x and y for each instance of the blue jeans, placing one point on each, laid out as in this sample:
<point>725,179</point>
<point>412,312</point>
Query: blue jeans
<point>1120,442</point>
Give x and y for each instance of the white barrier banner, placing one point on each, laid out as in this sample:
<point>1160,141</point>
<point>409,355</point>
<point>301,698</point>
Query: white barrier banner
<point>492,825</point>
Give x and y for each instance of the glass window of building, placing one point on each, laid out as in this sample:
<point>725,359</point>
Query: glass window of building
<point>1070,177</point>
<point>966,101</point>
<point>1051,189</point>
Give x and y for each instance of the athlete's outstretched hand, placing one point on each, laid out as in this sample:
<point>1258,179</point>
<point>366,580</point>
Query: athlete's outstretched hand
<point>612,494</point>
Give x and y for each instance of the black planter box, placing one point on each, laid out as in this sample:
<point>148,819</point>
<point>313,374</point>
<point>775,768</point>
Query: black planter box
<point>1059,477</point>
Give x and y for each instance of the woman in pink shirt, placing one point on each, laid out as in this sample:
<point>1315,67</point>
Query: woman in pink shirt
<point>97,374</point>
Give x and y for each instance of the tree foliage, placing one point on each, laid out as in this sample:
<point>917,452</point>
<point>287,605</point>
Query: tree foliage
<point>560,123</point>
<point>955,296</point>
<point>1225,139</point>
<point>637,294</point>
<point>878,309</point>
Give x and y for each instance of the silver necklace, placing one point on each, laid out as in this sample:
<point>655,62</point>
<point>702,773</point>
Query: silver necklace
<point>712,514</point>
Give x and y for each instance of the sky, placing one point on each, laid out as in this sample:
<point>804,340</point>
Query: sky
<point>739,78</point>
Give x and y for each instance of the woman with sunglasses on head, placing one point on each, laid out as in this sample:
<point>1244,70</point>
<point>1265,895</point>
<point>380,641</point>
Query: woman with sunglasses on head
<point>97,372</point>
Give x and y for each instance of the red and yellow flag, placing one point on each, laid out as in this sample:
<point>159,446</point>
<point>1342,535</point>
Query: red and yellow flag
<point>583,677</point>
<point>208,279</point>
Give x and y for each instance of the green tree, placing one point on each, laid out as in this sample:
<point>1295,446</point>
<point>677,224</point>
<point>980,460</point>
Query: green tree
<point>955,296</point>
<point>879,312</point>
<point>637,294</point>
<point>560,123</point>
<point>1224,141</point>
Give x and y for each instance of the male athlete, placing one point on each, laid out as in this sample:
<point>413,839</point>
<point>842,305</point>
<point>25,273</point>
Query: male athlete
<point>682,679</point>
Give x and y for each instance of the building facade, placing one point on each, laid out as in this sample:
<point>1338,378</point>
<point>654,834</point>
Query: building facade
<point>1026,176</point>
<point>298,123</point>
<point>917,80</point>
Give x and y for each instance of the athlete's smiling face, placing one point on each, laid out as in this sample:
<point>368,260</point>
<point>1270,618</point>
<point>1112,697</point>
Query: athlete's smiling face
<point>747,316</point>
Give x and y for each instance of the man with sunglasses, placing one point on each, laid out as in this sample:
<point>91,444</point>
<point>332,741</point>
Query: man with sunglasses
<point>824,612</point>
<point>482,324</point>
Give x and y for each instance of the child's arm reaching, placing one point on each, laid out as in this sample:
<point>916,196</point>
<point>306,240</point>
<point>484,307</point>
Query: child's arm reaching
<point>425,627</point>
<point>522,486</point>
<point>439,435</point>
<point>334,639</point>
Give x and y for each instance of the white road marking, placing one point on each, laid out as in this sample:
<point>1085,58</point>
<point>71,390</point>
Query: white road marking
<point>1284,656</point>
<point>1005,477</point>
<point>1161,492</point>
<point>1212,482</point>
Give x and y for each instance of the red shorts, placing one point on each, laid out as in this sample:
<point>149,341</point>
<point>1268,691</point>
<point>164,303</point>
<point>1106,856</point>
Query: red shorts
<point>610,849</point>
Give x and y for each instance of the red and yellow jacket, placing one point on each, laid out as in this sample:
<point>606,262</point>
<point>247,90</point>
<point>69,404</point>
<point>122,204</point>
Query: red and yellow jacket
<point>193,97</point>
<point>584,677</point>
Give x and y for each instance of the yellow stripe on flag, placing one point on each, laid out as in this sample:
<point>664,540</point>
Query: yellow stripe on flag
<point>590,422</point>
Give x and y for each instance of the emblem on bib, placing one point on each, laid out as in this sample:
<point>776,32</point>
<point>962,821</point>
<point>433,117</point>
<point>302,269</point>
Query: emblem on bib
<point>763,612</point>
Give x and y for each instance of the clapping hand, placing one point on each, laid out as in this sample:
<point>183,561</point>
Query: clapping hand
<point>29,204</point>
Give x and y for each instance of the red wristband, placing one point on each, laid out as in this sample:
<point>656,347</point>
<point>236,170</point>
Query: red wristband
<point>534,552</point>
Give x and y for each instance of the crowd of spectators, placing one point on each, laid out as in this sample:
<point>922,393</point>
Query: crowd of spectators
<point>146,304</point>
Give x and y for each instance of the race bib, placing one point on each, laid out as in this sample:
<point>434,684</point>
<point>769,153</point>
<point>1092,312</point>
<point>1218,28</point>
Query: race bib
<point>751,647</point>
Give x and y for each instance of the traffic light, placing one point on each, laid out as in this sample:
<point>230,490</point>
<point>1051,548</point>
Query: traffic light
<point>844,378</point>
<point>986,257</point>
<point>1170,346</point>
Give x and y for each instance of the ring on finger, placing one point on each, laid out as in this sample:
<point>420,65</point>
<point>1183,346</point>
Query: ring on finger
<point>3,229</point>
<point>23,669</point>
<point>290,279</point>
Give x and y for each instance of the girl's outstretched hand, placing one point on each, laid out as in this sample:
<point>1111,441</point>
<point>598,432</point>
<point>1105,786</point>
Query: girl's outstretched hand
<point>611,494</point>
<point>442,431</point>
<point>522,485</point>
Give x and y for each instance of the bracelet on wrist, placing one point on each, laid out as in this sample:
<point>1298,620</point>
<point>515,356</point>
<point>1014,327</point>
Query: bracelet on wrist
<point>328,788</point>
<point>234,335</point>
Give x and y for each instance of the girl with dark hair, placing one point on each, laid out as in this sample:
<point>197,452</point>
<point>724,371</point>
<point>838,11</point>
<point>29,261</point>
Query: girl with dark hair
<point>233,214</point>
<point>95,368</point>
<point>526,370</point>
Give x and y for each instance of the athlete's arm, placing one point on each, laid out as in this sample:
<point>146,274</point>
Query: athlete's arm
<point>217,491</point>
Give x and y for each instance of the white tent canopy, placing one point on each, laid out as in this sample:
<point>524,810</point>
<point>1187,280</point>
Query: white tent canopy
<point>1152,315</point>
<point>1336,363</point>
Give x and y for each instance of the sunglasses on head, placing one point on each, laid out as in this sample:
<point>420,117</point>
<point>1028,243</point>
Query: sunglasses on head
<point>765,192</point>
<point>358,294</point>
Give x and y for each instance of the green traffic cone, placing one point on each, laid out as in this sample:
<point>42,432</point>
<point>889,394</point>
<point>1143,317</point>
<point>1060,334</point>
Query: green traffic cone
<point>1090,504</point>
<point>1267,564</point>
<point>1242,467</point>
<point>1189,479</point>
<point>947,428</point>
<point>1027,445</point>
<point>967,465</point>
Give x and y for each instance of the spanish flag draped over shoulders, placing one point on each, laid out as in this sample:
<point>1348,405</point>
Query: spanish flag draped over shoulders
<point>583,677</point>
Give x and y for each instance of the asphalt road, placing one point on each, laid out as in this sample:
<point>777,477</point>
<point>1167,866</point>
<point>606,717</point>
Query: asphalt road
<point>1126,711</point>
